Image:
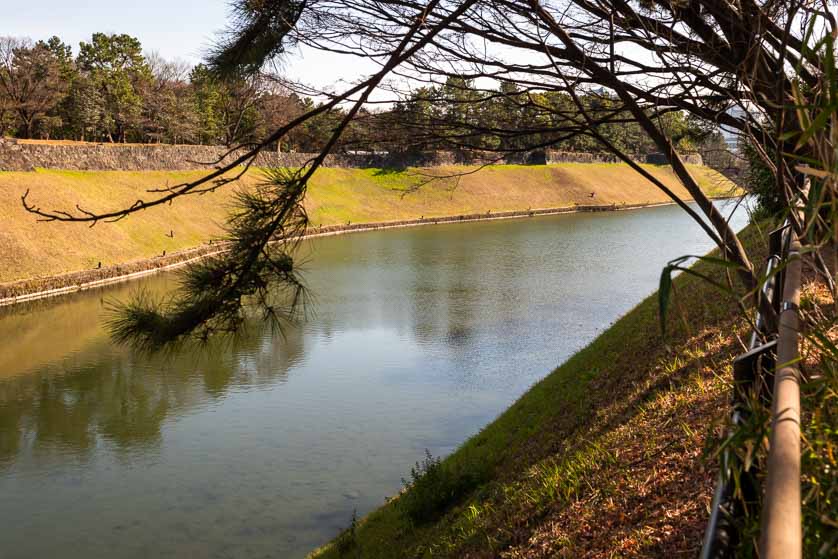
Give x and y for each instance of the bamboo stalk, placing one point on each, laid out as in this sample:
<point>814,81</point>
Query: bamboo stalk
<point>781,535</point>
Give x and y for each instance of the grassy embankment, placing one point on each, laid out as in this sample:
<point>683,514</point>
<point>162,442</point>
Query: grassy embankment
<point>31,249</point>
<point>602,458</point>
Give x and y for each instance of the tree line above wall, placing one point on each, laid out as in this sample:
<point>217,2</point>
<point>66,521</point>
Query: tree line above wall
<point>111,92</point>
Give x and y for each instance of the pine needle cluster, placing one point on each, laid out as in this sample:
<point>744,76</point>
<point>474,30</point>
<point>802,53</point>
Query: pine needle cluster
<point>256,272</point>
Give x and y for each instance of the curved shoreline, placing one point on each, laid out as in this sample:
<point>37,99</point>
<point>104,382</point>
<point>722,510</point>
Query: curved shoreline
<point>22,291</point>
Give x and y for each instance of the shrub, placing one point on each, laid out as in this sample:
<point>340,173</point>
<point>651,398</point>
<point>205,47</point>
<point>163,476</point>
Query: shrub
<point>434,486</point>
<point>347,541</point>
<point>760,181</point>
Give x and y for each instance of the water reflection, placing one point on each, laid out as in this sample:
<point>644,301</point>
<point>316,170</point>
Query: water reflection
<point>264,446</point>
<point>70,388</point>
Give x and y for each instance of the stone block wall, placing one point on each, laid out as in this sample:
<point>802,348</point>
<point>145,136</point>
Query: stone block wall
<point>556,156</point>
<point>26,156</point>
<point>660,159</point>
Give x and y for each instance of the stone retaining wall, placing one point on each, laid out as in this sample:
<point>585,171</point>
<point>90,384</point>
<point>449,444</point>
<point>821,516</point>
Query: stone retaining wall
<point>660,159</point>
<point>26,156</point>
<point>556,156</point>
<point>39,288</point>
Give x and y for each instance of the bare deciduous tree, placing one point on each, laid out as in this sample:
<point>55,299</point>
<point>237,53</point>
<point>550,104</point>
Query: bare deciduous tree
<point>644,60</point>
<point>31,83</point>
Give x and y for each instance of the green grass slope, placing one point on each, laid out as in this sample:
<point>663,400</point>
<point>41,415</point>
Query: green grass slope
<point>30,249</point>
<point>602,458</point>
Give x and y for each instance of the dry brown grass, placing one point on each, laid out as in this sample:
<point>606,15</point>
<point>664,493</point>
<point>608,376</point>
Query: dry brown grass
<point>30,249</point>
<point>35,249</point>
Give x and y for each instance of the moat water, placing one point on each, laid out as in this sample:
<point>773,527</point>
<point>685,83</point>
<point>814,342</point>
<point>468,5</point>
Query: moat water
<point>264,446</point>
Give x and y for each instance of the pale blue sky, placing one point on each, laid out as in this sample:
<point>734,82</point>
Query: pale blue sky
<point>175,28</point>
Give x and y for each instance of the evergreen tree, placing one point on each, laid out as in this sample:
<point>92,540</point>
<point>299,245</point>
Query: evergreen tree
<point>115,66</point>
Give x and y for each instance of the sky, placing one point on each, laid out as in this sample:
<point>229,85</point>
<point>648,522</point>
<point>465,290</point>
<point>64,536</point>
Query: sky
<point>177,29</point>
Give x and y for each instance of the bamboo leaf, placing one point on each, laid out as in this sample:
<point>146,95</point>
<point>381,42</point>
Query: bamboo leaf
<point>802,114</point>
<point>663,296</point>
<point>717,261</point>
<point>818,124</point>
<point>829,63</point>
<point>709,280</point>
<point>665,286</point>
<point>812,207</point>
<point>802,158</point>
<point>806,170</point>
